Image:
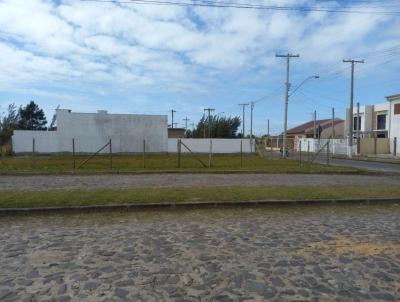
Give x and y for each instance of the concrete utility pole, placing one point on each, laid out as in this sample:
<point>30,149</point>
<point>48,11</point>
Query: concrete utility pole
<point>268,127</point>
<point>186,119</point>
<point>172,113</point>
<point>351,128</point>
<point>251,125</point>
<point>288,57</point>
<point>209,120</point>
<point>243,107</point>
<point>333,123</point>
<point>315,124</point>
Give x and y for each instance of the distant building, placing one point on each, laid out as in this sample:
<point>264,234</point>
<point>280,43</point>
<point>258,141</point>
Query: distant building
<point>379,120</point>
<point>91,131</point>
<point>323,129</point>
<point>394,120</point>
<point>176,132</point>
<point>372,121</point>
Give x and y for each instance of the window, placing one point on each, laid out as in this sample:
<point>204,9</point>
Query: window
<point>396,108</point>
<point>381,122</point>
<point>355,123</point>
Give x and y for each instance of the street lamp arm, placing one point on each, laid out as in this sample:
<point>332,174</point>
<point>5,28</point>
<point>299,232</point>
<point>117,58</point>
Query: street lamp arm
<point>304,81</point>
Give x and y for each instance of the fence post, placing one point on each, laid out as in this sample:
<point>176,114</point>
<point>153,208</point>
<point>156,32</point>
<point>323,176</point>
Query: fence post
<point>210,154</point>
<point>395,146</point>
<point>308,150</point>
<point>111,157</point>
<point>271,147</point>
<point>144,154</point>
<point>179,147</point>
<point>300,151</point>
<point>375,145</point>
<point>358,146</point>
<point>73,154</point>
<point>327,153</point>
<point>241,153</point>
<point>33,154</point>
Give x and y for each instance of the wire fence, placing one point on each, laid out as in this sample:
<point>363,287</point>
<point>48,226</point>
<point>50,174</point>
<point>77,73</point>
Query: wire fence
<point>186,155</point>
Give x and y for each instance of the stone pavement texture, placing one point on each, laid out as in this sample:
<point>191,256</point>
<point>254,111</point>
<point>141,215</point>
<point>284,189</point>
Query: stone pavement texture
<point>186,180</point>
<point>326,253</point>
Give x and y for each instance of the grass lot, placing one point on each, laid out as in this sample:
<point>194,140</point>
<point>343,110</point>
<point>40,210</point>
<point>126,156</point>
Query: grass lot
<point>163,162</point>
<point>24,199</point>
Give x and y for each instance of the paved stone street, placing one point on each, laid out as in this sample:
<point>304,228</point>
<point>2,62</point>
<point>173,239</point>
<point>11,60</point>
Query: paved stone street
<point>327,253</point>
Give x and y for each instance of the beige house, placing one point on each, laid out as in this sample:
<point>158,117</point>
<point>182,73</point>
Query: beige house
<point>380,121</point>
<point>323,129</point>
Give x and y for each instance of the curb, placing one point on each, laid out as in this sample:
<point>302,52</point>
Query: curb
<point>209,204</point>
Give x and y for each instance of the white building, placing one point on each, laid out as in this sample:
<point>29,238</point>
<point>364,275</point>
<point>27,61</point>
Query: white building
<point>379,120</point>
<point>394,122</point>
<point>91,131</point>
<point>371,120</point>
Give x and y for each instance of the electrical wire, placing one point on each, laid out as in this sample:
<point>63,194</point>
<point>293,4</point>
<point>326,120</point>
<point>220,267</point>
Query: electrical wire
<point>221,4</point>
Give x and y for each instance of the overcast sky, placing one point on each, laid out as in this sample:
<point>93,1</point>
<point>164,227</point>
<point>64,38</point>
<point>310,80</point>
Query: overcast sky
<point>136,58</point>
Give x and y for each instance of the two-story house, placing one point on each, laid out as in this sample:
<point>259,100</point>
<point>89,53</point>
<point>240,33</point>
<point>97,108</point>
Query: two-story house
<point>379,120</point>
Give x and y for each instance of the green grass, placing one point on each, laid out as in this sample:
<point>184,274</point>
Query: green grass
<point>53,198</point>
<point>163,162</point>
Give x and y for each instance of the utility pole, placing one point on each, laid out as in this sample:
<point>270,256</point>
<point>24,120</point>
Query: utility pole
<point>186,119</point>
<point>358,121</point>
<point>351,129</point>
<point>268,128</point>
<point>315,124</point>
<point>209,120</point>
<point>358,125</point>
<point>251,125</point>
<point>172,113</point>
<point>333,123</point>
<point>243,107</point>
<point>288,57</point>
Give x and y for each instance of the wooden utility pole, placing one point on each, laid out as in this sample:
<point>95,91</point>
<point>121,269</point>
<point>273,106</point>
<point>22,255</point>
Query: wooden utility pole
<point>243,108</point>
<point>288,57</point>
<point>172,116</point>
<point>186,119</point>
<point>209,110</point>
<point>350,117</point>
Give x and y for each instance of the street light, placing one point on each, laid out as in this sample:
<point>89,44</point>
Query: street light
<point>284,149</point>
<point>302,83</point>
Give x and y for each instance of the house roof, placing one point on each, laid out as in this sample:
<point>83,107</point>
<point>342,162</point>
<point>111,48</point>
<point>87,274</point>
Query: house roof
<point>395,96</point>
<point>308,127</point>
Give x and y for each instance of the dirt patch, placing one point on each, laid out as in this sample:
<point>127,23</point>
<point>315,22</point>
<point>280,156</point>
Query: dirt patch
<point>342,245</point>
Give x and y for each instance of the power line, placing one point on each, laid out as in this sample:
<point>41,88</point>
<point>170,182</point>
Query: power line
<point>221,4</point>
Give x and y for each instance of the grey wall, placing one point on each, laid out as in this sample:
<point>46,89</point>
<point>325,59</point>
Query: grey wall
<point>91,131</point>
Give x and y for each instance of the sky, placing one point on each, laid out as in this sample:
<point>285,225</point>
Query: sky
<point>149,59</point>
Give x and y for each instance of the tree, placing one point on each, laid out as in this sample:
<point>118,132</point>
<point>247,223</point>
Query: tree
<point>9,121</point>
<point>31,117</point>
<point>221,127</point>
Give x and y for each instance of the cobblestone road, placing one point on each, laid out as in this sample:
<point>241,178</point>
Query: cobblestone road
<point>328,253</point>
<point>185,180</point>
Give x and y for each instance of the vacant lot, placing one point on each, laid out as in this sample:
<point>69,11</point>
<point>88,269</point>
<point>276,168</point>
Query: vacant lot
<point>164,162</point>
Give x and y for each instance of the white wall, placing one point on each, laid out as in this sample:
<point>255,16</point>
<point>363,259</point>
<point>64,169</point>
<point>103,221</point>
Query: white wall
<point>202,145</point>
<point>336,146</point>
<point>91,131</point>
<point>394,127</point>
